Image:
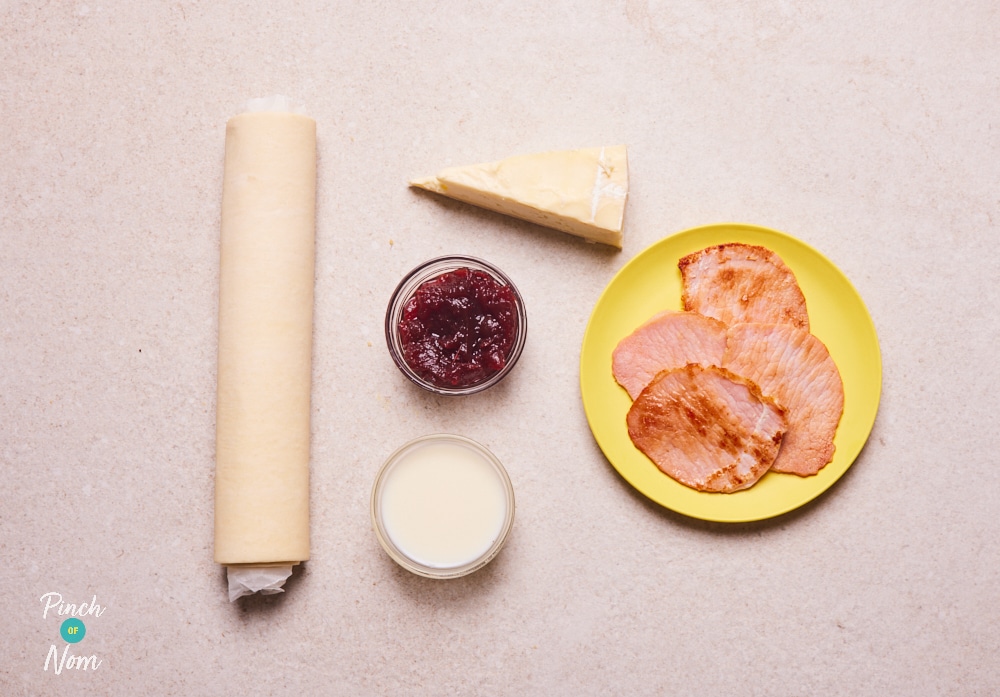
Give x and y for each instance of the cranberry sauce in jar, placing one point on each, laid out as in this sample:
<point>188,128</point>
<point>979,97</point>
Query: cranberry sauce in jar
<point>456,325</point>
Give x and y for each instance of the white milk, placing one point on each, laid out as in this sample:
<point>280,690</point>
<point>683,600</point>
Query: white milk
<point>443,504</point>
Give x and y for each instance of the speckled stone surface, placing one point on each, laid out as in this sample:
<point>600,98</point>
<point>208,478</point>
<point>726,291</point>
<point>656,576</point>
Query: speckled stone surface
<point>870,132</point>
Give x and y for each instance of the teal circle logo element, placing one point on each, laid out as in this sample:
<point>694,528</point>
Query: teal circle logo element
<point>72,630</point>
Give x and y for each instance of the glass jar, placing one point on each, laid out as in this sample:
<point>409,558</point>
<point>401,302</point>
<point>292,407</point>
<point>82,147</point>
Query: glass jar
<point>442,506</point>
<point>427,272</point>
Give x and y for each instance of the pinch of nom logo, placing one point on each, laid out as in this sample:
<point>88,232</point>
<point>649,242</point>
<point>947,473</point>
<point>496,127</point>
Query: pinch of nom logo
<point>72,630</point>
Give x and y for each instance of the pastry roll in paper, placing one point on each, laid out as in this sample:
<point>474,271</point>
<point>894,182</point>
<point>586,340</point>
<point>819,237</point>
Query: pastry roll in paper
<point>265,341</point>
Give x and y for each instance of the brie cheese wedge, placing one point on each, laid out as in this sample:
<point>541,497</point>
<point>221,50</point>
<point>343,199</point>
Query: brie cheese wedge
<point>581,192</point>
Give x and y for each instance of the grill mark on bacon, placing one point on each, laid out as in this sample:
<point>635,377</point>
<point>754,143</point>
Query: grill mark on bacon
<point>707,427</point>
<point>737,283</point>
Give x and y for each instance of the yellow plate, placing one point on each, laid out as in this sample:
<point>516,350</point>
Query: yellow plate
<point>650,283</point>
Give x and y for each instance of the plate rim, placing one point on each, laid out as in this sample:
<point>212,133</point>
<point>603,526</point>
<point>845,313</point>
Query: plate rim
<point>736,228</point>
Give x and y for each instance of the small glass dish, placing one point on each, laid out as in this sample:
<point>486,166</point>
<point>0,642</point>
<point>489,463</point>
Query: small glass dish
<point>406,289</point>
<point>442,506</point>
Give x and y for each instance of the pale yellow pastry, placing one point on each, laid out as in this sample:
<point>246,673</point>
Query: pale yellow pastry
<point>265,340</point>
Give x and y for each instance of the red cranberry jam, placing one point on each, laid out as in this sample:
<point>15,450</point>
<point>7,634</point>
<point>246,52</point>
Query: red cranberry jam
<point>458,329</point>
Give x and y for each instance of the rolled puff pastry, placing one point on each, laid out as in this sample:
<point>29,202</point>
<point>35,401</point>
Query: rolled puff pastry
<point>267,265</point>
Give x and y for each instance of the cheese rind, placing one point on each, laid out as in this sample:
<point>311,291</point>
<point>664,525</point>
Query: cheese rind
<point>580,192</point>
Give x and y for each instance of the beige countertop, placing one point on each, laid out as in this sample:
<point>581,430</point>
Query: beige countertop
<point>872,134</point>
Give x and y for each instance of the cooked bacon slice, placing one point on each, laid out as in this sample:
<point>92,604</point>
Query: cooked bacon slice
<point>707,428</point>
<point>795,368</point>
<point>669,340</point>
<point>737,283</point>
